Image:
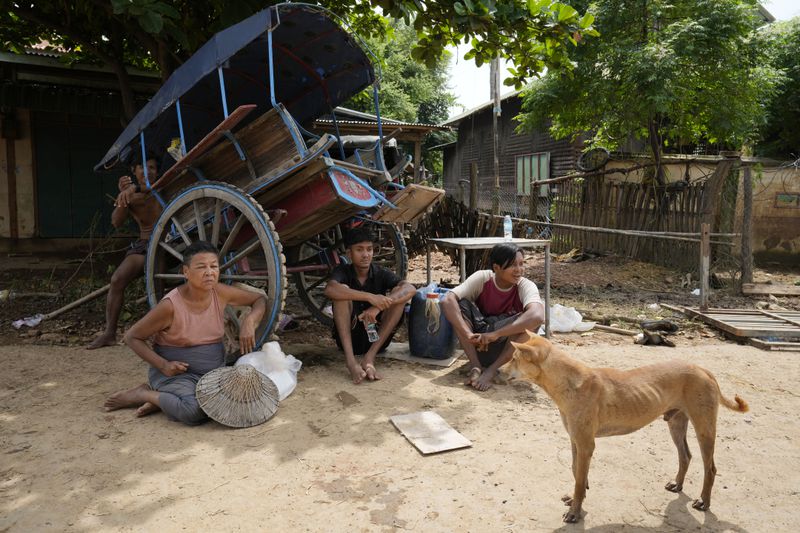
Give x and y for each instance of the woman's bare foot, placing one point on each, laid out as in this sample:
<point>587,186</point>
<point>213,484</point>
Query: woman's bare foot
<point>103,340</point>
<point>147,409</point>
<point>128,398</point>
<point>357,373</point>
<point>371,373</point>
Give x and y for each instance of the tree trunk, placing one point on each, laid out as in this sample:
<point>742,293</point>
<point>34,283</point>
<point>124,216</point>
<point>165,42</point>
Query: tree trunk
<point>655,147</point>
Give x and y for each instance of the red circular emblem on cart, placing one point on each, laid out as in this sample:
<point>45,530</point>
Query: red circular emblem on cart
<point>351,187</point>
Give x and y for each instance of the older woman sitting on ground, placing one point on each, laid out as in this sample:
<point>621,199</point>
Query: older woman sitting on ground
<point>188,328</point>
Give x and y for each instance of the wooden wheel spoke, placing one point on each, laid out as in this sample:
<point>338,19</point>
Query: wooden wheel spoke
<point>182,231</point>
<point>240,255</point>
<point>232,235</point>
<point>178,277</point>
<point>172,251</point>
<point>201,228</point>
<point>215,224</point>
<point>317,283</point>
<point>242,277</point>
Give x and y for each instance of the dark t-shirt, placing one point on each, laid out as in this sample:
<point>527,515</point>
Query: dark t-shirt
<point>380,280</point>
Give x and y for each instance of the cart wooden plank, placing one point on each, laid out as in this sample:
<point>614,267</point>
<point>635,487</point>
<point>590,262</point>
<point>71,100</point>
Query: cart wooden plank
<point>205,144</point>
<point>411,202</point>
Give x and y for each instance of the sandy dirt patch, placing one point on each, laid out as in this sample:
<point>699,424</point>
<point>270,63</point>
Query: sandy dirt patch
<point>330,460</point>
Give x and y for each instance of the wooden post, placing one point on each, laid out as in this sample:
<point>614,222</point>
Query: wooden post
<point>705,258</point>
<point>473,185</point>
<point>747,226</point>
<point>417,160</point>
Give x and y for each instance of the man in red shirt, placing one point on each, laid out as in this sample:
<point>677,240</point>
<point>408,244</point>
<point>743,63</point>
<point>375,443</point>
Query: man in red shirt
<point>491,307</point>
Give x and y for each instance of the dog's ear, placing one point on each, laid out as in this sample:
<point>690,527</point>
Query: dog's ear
<point>531,334</point>
<point>526,351</point>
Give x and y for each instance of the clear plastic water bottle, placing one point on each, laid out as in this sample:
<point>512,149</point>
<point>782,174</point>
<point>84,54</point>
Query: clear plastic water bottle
<point>372,332</point>
<point>507,228</point>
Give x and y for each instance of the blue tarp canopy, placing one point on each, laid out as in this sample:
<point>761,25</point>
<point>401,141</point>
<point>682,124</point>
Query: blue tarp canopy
<point>317,66</point>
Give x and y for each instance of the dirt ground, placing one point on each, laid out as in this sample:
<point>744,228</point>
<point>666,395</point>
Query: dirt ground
<point>330,460</point>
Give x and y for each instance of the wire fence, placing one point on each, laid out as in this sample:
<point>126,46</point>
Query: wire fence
<point>587,212</point>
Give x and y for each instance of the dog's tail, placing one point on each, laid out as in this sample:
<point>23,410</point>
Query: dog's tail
<point>738,404</point>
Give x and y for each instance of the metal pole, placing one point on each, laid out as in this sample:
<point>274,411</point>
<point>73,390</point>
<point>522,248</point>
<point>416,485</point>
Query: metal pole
<point>494,76</point>
<point>547,290</point>
<point>463,256</point>
<point>705,258</point>
<point>428,260</point>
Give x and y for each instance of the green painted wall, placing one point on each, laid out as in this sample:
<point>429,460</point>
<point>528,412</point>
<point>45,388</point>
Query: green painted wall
<point>72,200</point>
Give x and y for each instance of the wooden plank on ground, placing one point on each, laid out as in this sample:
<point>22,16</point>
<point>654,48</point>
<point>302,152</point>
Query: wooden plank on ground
<point>749,323</point>
<point>770,288</point>
<point>775,346</point>
<point>429,432</point>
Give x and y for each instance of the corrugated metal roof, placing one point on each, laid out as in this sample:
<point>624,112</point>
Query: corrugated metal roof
<point>392,123</point>
<point>458,118</point>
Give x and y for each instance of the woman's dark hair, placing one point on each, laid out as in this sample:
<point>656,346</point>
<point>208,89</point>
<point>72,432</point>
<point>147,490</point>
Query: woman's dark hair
<point>198,247</point>
<point>503,255</point>
<point>357,235</point>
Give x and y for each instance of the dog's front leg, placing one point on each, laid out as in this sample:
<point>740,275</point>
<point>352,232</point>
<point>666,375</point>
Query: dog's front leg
<point>583,448</point>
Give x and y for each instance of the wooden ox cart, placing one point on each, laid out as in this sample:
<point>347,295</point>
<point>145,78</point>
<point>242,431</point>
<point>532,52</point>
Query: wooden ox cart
<point>274,198</point>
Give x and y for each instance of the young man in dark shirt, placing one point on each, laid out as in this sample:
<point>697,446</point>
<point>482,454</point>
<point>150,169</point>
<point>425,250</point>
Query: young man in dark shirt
<point>364,293</point>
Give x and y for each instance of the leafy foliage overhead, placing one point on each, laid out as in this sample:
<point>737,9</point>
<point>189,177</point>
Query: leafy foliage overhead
<point>781,133</point>
<point>164,33</point>
<point>670,71</point>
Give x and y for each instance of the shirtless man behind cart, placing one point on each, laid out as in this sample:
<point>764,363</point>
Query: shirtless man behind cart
<point>145,210</point>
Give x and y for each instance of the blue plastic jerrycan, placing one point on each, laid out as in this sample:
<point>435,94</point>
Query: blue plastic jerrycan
<point>429,332</point>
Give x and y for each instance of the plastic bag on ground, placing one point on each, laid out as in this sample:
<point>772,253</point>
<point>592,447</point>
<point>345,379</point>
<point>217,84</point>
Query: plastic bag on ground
<point>279,367</point>
<point>566,319</point>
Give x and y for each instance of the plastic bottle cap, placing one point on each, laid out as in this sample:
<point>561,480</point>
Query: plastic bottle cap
<point>432,295</point>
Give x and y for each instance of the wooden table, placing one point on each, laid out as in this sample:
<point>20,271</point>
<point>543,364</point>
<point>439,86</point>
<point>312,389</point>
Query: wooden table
<point>482,243</point>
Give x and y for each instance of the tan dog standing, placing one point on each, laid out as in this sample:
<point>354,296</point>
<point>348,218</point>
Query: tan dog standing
<point>600,402</point>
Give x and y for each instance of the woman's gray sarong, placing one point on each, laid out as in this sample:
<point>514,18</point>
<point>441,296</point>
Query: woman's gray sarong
<point>177,393</point>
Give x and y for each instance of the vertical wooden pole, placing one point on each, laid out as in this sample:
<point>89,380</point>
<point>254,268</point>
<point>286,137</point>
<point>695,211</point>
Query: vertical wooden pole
<point>473,186</point>
<point>747,226</point>
<point>11,172</point>
<point>494,77</point>
<point>417,160</point>
<point>705,258</point>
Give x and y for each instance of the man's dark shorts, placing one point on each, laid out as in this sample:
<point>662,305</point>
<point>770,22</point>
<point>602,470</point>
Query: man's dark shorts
<point>138,247</point>
<point>358,333</point>
<point>485,324</point>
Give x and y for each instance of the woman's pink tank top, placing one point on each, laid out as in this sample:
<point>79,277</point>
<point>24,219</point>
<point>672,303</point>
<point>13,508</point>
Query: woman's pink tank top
<point>192,329</point>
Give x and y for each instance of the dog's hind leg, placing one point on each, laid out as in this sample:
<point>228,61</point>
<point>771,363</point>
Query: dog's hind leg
<point>706,437</point>
<point>678,423</point>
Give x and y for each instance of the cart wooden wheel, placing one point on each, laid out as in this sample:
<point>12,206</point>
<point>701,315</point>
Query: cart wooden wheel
<point>312,262</point>
<point>250,250</point>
